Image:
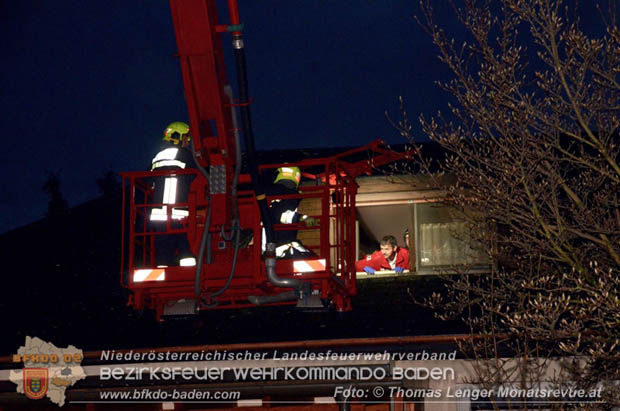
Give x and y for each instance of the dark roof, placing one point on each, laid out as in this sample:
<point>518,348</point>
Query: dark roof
<point>430,149</point>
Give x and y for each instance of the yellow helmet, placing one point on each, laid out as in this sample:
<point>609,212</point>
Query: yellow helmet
<point>176,131</point>
<point>289,173</point>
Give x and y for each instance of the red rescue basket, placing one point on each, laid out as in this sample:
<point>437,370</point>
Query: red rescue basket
<point>233,274</point>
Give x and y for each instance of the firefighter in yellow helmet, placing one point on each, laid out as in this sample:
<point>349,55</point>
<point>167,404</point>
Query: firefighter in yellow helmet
<point>284,211</point>
<point>174,154</point>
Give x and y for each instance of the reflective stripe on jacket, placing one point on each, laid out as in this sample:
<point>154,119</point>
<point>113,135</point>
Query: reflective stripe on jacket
<point>174,189</point>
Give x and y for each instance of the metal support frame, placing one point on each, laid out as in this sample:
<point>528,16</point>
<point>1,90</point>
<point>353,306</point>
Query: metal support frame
<point>335,191</point>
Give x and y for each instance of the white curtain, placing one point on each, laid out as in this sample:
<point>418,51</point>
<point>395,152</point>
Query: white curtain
<point>446,244</point>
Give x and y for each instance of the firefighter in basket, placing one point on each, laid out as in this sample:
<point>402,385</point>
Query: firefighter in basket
<point>174,154</point>
<point>284,211</point>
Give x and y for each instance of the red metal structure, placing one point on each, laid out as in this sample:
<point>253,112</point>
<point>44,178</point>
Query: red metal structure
<point>222,201</point>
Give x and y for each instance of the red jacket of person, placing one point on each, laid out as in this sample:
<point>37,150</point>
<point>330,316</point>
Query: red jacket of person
<point>377,261</point>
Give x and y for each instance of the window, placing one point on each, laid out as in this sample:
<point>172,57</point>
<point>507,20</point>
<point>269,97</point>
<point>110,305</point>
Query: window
<point>441,240</point>
<point>444,240</point>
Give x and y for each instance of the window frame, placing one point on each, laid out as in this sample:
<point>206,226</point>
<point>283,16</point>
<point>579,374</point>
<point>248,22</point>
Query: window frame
<point>414,242</point>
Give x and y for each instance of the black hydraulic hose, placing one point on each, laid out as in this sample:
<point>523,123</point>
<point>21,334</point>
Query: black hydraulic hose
<point>248,135</point>
<point>237,232</point>
<point>206,243</point>
<point>259,191</point>
<point>235,226</point>
<point>205,239</point>
<point>233,187</point>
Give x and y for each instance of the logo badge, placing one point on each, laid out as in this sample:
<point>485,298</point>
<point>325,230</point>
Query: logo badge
<point>35,382</point>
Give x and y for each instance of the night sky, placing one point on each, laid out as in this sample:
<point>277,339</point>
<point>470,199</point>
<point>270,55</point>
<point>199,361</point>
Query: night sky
<point>88,86</point>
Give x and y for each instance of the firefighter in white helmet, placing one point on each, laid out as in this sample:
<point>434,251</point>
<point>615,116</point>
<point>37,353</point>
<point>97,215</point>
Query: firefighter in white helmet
<point>174,154</point>
<point>284,211</point>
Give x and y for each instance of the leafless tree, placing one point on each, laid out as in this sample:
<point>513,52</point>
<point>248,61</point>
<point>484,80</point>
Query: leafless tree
<point>532,139</point>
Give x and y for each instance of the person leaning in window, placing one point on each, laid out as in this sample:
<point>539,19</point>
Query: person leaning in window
<point>389,257</point>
